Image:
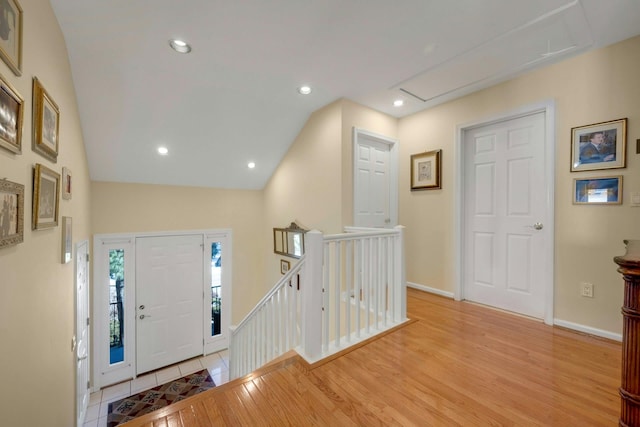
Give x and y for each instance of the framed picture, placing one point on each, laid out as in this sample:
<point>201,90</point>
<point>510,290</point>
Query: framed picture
<point>11,113</point>
<point>46,123</point>
<point>284,266</point>
<point>11,213</point>
<point>425,170</point>
<point>599,146</point>
<point>66,184</point>
<point>11,35</point>
<point>66,239</point>
<point>598,191</point>
<point>46,198</point>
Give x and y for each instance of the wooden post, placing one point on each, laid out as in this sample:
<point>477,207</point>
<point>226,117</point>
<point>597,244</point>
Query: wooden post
<point>311,294</point>
<point>630,386</point>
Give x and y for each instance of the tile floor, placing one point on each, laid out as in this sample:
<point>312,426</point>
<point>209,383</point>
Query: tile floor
<point>216,363</point>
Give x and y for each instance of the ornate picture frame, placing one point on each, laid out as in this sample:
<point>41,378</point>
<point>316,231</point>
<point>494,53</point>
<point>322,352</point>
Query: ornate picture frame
<point>46,198</point>
<point>426,171</point>
<point>46,123</point>
<point>604,190</point>
<point>12,108</point>
<point>11,35</point>
<point>599,146</point>
<point>11,213</point>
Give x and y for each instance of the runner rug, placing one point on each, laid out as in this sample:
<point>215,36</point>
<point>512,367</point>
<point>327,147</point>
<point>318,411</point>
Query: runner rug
<point>158,397</point>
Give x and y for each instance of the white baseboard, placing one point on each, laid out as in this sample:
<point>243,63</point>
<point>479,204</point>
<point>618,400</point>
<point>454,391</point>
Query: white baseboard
<point>588,330</point>
<point>431,290</point>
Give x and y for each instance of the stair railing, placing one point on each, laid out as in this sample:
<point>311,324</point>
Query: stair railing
<point>345,289</point>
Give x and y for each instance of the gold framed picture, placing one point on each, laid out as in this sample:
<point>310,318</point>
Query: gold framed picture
<point>11,35</point>
<point>425,170</point>
<point>46,123</point>
<point>605,190</point>
<point>11,213</point>
<point>284,266</point>
<point>599,146</point>
<point>66,183</point>
<point>46,197</point>
<point>11,114</point>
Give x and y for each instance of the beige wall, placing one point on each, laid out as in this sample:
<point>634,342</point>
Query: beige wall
<point>313,184</point>
<point>594,87</point>
<point>127,208</point>
<point>36,289</point>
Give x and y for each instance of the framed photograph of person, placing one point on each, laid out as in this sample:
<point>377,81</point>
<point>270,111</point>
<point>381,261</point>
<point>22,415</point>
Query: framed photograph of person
<point>11,113</point>
<point>11,213</point>
<point>46,198</point>
<point>425,170</point>
<point>599,146</point>
<point>46,123</point>
<point>605,190</point>
<point>66,183</point>
<point>11,35</point>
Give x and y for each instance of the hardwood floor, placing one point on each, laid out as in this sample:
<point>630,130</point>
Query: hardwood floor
<point>457,364</point>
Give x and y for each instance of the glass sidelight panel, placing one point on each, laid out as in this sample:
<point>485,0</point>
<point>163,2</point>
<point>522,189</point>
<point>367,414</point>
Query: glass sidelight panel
<point>116,306</point>
<point>216,287</point>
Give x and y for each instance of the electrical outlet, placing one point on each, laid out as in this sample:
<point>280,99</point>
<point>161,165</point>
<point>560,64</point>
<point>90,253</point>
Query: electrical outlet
<point>586,289</point>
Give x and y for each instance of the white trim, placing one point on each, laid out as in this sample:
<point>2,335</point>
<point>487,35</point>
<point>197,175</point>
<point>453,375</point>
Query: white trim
<point>588,330</point>
<point>431,290</point>
<point>548,107</point>
<point>100,293</point>
<point>393,170</point>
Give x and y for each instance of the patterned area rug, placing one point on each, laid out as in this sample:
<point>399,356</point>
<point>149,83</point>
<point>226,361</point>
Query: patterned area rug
<point>158,397</point>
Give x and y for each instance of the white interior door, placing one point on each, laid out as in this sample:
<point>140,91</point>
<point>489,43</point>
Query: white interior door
<point>375,180</point>
<point>505,210</point>
<point>82,330</point>
<point>169,300</point>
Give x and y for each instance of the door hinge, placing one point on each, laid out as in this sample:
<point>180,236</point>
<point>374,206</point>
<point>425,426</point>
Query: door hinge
<point>88,258</point>
<point>88,324</point>
<point>88,384</point>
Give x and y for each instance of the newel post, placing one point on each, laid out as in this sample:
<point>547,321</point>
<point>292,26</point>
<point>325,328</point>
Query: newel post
<point>311,293</point>
<point>400,299</point>
<point>630,387</point>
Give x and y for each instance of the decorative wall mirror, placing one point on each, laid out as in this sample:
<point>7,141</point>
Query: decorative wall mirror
<point>289,241</point>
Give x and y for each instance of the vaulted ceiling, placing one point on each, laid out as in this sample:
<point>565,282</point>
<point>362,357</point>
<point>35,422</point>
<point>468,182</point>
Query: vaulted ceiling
<point>234,98</point>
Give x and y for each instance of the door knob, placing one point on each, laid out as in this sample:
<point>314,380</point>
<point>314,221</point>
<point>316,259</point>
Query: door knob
<point>537,226</point>
<point>142,316</point>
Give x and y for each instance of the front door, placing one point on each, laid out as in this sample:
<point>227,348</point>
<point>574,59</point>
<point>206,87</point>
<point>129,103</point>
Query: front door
<point>82,329</point>
<point>169,300</point>
<point>375,180</point>
<point>505,208</point>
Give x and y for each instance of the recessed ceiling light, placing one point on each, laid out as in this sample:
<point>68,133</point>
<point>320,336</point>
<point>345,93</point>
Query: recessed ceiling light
<point>304,90</point>
<point>163,151</point>
<point>179,46</point>
<point>251,165</point>
<point>398,103</point>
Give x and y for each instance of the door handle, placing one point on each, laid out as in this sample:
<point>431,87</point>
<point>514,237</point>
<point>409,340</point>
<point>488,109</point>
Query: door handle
<point>537,226</point>
<point>142,316</point>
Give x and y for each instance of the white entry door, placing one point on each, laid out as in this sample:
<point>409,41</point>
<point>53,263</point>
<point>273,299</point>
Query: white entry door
<point>505,208</point>
<point>375,180</point>
<point>169,295</point>
<point>82,329</point>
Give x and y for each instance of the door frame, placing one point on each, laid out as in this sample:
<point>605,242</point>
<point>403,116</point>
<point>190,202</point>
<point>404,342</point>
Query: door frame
<point>393,171</point>
<point>548,108</point>
<point>82,412</point>
<point>100,294</point>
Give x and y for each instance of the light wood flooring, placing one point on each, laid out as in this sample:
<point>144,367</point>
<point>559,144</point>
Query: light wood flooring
<point>456,364</point>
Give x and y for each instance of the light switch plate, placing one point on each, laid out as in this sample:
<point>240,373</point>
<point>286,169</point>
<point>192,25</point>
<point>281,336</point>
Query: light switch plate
<point>635,198</point>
